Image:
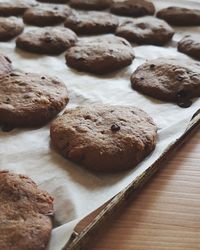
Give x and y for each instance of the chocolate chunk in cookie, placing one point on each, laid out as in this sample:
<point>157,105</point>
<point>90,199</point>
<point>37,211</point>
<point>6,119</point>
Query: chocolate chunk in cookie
<point>47,40</point>
<point>10,27</point>
<point>91,22</point>
<point>99,58</point>
<point>190,45</point>
<point>180,16</point>
<point>46,15</point>
<point>28,100</point>
<point>15,7</point>
<point>104,138</point>
<point>5,65</point>
<point>90,4</point>
<point>25,213</point>
<point>168,80</point>
<point>135,8</point>
<point>146,30</point>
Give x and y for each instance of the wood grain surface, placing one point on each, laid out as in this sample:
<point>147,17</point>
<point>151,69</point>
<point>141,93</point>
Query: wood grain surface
<point>166,213</point>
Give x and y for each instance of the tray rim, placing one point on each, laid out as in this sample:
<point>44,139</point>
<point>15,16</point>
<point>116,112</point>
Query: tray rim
<point>81,235</point>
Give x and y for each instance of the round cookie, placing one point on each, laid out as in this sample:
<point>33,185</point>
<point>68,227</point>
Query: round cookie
<point>28,99</point>
<point>15,7</point>
<point>104,138</point>
<point>92,22</point>
<point>5,65</point>
<point>25,213</point>
<point>170,80</point>
<point>146,30</point>
<point>53,1</point>
<point>90,4</point>
<point>99,58</point>
<point>110,39</point>
<point>190,45</point>
<point>10,27</point>
<point>46,15</point>
<point>180,16</point>
<point>134,8</point>
<point>50,41</point>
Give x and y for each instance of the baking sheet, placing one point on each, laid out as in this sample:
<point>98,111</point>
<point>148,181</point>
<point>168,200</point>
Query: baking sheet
<point>77,191</point>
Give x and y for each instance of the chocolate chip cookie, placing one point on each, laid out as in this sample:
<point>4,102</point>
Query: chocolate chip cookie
<point>104,138</point>
<point>53,1</point>
<point>109,38</point>
<point>90,4</point>
<point>5,65</point>
<point>190,45</point>
<point>180,16</point>
<point>146,30</point>
<point>99,58</point>
<point>134,8</point>
<point>47,40</point>
<point>25,213</point>
<point>170,80</point>
<point>15,7</point>
<point>91,22</point>
<point>28,99</point>
<point>46,15</point>
<point>10,27</point>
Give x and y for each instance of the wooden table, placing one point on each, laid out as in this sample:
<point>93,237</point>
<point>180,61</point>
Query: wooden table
<point>165,215</point>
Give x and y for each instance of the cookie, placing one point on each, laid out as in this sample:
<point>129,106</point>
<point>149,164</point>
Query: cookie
<point>5,65</point>
<point>170,80</point>
<point>99,58</point>
<point>90,4</point>
<point>47,40</point>
<point>10,27</point>
<point>25,213</point>
<point>110,39</point>
<point>46,15</point>
<point>28,99</point>
<point>92,22</point>
<point>134,8</point>
<point>15,7</point>
<point>146,30</point>
<point>104,138</point>
<point>190,45</point>
<point>180,16</point>
<point>53,1</point>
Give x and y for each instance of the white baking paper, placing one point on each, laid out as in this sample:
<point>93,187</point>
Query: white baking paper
<point>77,191</point>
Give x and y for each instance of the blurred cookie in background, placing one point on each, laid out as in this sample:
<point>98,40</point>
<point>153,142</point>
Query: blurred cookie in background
<point>146,30</point>
<point>92,22</point>
<point>180,16</point>
<point>10,27</point>
<point>51,41</point>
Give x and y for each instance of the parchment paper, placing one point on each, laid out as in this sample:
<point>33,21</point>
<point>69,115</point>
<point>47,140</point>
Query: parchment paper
<point>77,191</point>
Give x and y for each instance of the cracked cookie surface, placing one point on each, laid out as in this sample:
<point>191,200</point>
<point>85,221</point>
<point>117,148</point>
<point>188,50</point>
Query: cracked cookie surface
<point>90,4</point>
<point>168,80</point>
<point>25,221</point>
<point>28,99</point>
<point>15,7</point>
<point>146,30</point>
<point>134,8</point>
<point>92,22</point>
<point>190,45</point>
<point>180,16</point>
<point>47,40</point>
<point>46,15</point>
<point>10,27</point>
<point>104,138</point>
<point>99,58</point>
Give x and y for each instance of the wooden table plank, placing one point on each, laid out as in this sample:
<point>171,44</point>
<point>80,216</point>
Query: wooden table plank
<point>166,213</point>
